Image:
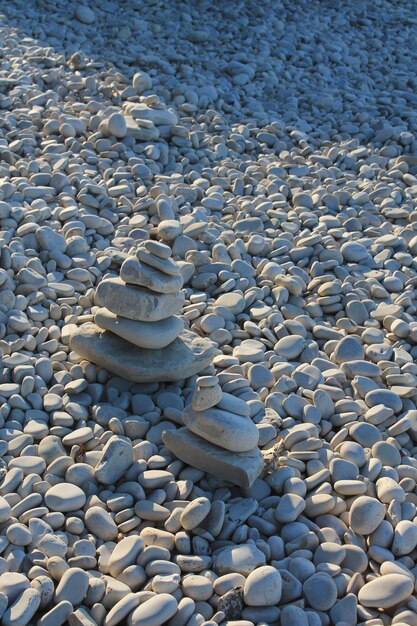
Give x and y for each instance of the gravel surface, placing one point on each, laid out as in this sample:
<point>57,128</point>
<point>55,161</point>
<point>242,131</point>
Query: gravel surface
<point>271,149</point>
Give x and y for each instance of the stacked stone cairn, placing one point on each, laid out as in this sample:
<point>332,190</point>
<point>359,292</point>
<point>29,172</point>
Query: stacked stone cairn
<point>219,436</point>
<point>137,333</point>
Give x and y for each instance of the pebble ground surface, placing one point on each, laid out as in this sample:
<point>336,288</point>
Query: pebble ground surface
<point>272,145</point>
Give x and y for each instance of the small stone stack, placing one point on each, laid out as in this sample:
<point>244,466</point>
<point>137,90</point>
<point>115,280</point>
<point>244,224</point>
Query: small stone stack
<point>137,333</point>
<point>219,437</point>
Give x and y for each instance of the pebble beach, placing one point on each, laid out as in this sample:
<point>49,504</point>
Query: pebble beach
<point>208,313</point>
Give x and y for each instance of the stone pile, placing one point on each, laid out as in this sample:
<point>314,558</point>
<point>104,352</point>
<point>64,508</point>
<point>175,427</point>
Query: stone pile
<point>219,436</point>
<point>138,333</point>
<point>276,156</point>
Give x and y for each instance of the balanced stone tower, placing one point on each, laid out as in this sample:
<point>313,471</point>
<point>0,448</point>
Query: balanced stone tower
<point>137,333</point>
<point>219,436</point>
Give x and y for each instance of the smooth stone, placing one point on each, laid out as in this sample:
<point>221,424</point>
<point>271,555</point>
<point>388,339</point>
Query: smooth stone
<point>121,610</point>
<point>116,125</point>
<point>348,349</point>
<point>308,376</point>
<point>226,430</point>
<point>405,538</point>
<point>386,591</point>
<point>124,554</point>
<point>387,453</point>
<point>169,230</point>
<point>263,587</point>
<point>366,514</point>
<point>199,588</point>
<point>156,247</point>
<point>387,489</point>
<point>235,302</point>
<point>260,376</point>
<point>5,510</point>
<point>353,252</point>
<point>195,512</point>
<point>22,611</point>
<point>72,586</point>
<point>50,240</point>
<point>57,616</point>
<point>154,612</point>
<point>160,117</point>
<point>289,508</point>
<point>146,509</point>
<point>64,497</point>
<point>206,397</point>
<point>290,347</point>
<point>292,615</point>
<point>84,14</point>
<point>233,404</point>
<point>320,591</point>
<point>240,559</point>
<point>365,434</point>
<point>345,610</point>
<point>117,456</point>
<point>149,335</point>
<point>386,397</point>
<point>166,266</point>
<point>13,584</point>
<point>100,523</point>
<point>238,468</point>
<point>136,273</point>
<point>360,368</point>
<point>185,356</point>
<point>249,351</point>
<point>141,81</point>
<point>291,587</point>
<point>137,303</point>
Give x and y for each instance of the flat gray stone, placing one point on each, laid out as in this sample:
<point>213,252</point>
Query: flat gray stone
<point>226,430</point>
<point>159,117</point>
<point>154,612</point>
<point>117,457</point>
<point>239,468</point>
<point>136,273</point>
<point>166,266</point>
<point>386,591</point>
<point>348,349</point>
<point>64,497</point>
<point>137,303</point>
<point>242,559</point>
<point>184,357</point>
<point>366,514</point>
<point>151,335</point>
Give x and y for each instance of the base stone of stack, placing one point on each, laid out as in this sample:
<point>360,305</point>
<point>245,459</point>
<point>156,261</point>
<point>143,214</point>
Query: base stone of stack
<point>239,468</point>
<point>187,355</point>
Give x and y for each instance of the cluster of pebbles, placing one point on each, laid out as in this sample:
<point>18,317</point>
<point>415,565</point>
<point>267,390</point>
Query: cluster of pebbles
<point>247,176</point>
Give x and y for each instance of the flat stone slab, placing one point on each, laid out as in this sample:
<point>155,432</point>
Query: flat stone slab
<point>185,356</point>
<point>137,303</point>
<point>222,428</point>
<point>239,468</point>
<point>150,335</point>
<point>136,273</point>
